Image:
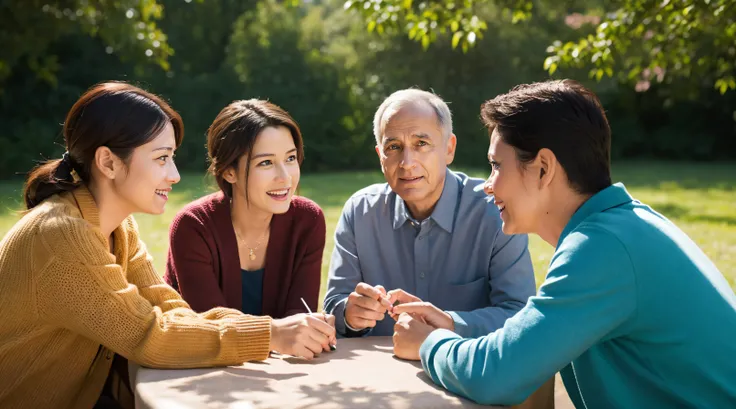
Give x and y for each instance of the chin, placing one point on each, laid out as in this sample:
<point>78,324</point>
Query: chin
<point>508,229</point>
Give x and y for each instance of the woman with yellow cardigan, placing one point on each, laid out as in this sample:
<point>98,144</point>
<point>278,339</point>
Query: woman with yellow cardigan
<point>77,287</point>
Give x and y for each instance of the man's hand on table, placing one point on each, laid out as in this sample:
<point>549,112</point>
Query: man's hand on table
<point>303,335</point>
<point>416,321</point>
<point>366,305</point>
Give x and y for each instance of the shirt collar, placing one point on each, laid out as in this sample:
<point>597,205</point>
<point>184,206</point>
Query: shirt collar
<point>612,196</point>
<point>443,214</point>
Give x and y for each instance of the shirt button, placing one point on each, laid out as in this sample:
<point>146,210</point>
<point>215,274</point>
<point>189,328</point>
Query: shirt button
<point>421,237</point>
<point>421,275</point>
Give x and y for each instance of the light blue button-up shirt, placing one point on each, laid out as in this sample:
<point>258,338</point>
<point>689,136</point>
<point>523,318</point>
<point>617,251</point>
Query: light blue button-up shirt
<point>458,258</point>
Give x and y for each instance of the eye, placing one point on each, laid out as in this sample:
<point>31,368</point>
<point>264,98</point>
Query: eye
<point>266,162</point>
<point>291,158</point>
<point>392,147</point>
<point>495,165</point>
<point>422,143</point>
<point>163,158</point>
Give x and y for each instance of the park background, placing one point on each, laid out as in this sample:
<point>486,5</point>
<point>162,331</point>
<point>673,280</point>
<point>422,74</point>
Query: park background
<point>664,71</point>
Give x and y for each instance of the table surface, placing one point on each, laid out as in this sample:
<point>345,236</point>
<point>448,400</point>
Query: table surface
<point>362,373</point>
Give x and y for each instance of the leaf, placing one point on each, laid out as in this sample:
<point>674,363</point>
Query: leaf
<point>552,69</point>
<point>456,38</point>
<point>425,41</point>
<point>454,26</point>
<point>371,26</point>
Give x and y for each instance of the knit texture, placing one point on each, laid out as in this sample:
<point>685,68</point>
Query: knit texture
<point>68,305</point>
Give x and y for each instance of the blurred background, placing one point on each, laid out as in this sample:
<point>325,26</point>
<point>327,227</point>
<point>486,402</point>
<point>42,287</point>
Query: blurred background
<point>664,71</point>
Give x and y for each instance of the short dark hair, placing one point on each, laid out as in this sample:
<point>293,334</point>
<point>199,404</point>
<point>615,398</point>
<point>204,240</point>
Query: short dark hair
<point>114,114</point>
<point>234,131</point>
<point>562,116</point>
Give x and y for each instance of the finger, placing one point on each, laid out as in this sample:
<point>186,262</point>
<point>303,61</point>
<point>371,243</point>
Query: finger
<point>419,308</point>
<point>322,339</point>
<point>303,352</point>
<point>321,327</point>
<point>368,314</point>
<point>368,303</point>
<point>313,345</point>
<point>357,322</point>
<point>380,289</point>
<point>368,291</point>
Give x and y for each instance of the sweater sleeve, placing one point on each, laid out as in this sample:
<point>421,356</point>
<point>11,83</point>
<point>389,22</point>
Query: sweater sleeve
<point>307,274</point>
<point>82,289</point>
<point>589,294</point>
<point>190,264</point>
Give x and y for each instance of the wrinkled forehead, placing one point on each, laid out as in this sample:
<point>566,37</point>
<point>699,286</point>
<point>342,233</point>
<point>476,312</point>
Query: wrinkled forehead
<point>409,117</point>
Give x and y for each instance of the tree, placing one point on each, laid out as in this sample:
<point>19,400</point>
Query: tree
<point>639,41</point>
<point>28,29</point>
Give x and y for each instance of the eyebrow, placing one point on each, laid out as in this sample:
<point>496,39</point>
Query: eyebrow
<point>164,148</point>
<point>414,135</point>
<point>263,155</point>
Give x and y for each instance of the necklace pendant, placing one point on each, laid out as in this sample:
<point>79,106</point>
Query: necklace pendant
<point>251,254</point>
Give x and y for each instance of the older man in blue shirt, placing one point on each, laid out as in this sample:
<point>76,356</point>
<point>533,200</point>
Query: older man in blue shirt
<point>427,234</point>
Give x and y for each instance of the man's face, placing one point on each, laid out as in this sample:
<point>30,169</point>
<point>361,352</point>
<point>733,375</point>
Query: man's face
<point>414,155</point>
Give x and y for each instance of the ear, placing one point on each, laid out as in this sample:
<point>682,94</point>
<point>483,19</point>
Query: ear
<point>230,175</point>
<point>547,163</point>
<point>107,162</point>
<point>451,145</point>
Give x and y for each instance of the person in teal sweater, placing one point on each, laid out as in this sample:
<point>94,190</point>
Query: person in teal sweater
<point>632,313</point>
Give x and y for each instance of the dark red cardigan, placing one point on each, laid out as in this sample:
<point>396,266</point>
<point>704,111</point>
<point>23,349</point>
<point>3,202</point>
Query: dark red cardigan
<point>203,263</point>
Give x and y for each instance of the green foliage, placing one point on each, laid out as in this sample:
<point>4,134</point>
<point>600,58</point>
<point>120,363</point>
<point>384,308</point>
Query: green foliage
<point>319,62</point>
<point>638,41</point>
<point>29,28</point>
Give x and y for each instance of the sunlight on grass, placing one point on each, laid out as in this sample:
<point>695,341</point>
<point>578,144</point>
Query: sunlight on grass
<point>699,198</point>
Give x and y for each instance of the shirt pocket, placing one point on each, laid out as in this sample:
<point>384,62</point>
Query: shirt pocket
<point>467,296</point>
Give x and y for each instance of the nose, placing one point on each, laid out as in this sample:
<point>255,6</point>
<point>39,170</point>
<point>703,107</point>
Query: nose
<point>488,186</point>
<point>173,174</point>
<point>282,173</point>
<point>407,159</point>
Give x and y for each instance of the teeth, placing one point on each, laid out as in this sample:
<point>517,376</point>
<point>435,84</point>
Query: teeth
<point>162,192</point>
<point>278,192</point>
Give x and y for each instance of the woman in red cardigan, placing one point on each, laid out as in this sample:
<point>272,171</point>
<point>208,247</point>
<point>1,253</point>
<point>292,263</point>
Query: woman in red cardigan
<point>254,245</point>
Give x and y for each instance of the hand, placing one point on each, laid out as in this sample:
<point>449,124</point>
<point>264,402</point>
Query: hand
<point>399,296</point>
<point>428,313</point>
<point>366,305</point>
<point>409,334</point>
<point>303,335</point>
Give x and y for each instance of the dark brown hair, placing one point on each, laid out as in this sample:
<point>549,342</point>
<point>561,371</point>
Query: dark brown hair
<point>234,131</point>
<point>562,116</point>
<point>117,115</point>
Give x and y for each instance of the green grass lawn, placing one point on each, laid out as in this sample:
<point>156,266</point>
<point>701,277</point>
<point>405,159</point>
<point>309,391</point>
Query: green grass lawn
<point>699,198</point>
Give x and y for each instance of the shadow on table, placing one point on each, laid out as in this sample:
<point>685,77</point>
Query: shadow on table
<point>340,354</point>
<point>215,390</point>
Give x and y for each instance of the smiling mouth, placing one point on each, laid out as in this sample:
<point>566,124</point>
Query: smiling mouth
<point>281,194</point>
<point>163,193</point>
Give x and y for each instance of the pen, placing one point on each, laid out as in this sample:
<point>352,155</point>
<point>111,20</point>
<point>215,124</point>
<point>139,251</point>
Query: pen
<point>309,310</point>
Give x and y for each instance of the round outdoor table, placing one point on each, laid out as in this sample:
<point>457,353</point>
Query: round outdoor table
<point>361,373</point>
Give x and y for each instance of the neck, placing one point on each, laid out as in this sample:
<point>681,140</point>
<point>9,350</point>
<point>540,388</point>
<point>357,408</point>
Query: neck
<point>421,210</point>
<point>558,214</point>
<point>248,219</point>
<point>110,209</point>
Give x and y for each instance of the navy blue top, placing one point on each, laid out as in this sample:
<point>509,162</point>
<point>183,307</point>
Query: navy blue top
<point>252,291</point>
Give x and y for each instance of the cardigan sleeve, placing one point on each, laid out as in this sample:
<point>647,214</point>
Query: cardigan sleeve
<point>307,274</point>
<point>190,266</point>
<point>82,289</point>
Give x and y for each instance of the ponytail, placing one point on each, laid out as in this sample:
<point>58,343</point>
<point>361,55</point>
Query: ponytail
<point>50,178</point>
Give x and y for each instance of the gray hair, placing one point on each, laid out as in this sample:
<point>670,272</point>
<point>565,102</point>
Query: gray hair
<point>411,97</point>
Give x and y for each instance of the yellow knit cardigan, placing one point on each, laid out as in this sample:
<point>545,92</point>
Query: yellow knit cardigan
<point>67,305</point>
